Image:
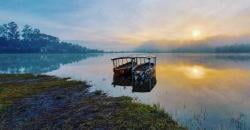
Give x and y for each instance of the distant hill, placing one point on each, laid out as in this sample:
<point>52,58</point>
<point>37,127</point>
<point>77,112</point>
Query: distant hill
<point>30,40</point>
<point>237,48</point>
<point>217,44</point>
<point>103,45</point>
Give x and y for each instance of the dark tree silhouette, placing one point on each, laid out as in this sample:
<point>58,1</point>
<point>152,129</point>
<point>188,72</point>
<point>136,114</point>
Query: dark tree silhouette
<point>3,32</point>
<point>34,41</point>
<point>26,33</point>
<point>36,34</point>
<point>13,33</point>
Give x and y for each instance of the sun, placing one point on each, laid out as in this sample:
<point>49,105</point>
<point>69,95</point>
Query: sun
<point>196,33</point>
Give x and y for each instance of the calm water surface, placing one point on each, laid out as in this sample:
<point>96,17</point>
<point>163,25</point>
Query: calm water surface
<point>201,91</point>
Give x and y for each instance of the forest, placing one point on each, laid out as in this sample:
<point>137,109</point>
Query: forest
<point>32,40</point>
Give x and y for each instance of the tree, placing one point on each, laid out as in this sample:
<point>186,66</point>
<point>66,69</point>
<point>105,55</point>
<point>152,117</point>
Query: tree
<point>3,31</point>
<point>13,33</point>
<point>49,38</point>
<point>26,33</point>
<point>36,34</point>
<point>37,42</point>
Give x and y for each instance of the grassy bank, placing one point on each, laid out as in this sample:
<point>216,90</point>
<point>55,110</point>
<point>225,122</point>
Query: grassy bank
<point>15,87</point>
<point>41,101</point>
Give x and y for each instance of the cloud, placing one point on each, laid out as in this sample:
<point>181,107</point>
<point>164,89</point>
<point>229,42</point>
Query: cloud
<point>130,21</point>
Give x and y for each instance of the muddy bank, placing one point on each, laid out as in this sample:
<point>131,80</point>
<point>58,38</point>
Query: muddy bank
<point>45,102</point>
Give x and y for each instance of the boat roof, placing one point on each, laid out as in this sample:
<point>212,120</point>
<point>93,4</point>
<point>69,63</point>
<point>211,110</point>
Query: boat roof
<point>132,57</point>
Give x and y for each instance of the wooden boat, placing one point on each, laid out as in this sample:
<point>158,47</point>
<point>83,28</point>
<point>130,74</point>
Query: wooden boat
<point>125,66</point>
<point>138,72</point>
<point>144,68</point>
<point>122,66</point>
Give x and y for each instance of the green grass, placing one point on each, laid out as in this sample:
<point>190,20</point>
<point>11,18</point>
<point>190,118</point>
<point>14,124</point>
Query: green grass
<point>14,87</point>
<point>107,112</point>
<point>124,113</point>
<point>140,116</point>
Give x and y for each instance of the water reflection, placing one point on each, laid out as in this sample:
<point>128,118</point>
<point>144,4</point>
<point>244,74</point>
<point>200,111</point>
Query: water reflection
<point>193,72</point>
<point>205,95</point>
<point>37,63</point>
<point>201,91</point>
<point>138,85</point>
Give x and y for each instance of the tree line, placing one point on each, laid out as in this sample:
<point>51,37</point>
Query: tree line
<point>32,40</point>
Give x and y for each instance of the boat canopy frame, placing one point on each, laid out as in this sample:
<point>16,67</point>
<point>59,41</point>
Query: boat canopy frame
<point>137,60</point>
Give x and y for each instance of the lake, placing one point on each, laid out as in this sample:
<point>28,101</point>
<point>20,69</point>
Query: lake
<point>201,91</point>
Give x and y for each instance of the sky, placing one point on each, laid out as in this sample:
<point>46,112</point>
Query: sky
<point>127,23</point>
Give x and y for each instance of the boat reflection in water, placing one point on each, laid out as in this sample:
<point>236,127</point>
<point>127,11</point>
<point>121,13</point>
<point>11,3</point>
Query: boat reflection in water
<point>145,85</point>
<point>138,72</point>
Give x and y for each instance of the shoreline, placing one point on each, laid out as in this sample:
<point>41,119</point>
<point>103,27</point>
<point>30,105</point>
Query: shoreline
<point>46,102</point>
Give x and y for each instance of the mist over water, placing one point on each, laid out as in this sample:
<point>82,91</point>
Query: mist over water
<point>201,91</point>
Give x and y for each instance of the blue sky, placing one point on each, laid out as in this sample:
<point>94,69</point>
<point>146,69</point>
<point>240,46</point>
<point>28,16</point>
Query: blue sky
<point>130,22</point>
